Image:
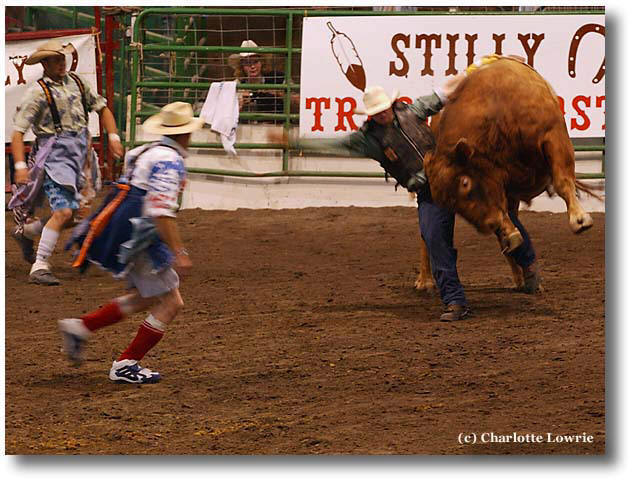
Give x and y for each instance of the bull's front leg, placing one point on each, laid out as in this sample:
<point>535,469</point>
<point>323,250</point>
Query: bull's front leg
<point>517,272</point>
<point>508,235</point>
<point>425,278</point>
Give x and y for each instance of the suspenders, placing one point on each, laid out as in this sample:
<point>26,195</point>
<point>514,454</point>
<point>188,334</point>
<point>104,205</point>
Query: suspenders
<point>51,101</point>
<point>83,93</point>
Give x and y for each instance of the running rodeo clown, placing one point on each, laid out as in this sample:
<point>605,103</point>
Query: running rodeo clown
<point>62,162</point>
<point>134,235</point>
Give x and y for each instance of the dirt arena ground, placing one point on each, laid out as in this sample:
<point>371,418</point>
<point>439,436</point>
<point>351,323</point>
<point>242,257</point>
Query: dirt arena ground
<point>302,334</point>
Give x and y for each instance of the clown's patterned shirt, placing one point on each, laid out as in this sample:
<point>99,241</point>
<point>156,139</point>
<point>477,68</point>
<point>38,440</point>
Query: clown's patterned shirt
<point>161,172</point>
<point>34,111</point>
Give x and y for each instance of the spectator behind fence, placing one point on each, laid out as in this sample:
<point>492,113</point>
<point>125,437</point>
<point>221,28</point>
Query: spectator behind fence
<point>255,68</point>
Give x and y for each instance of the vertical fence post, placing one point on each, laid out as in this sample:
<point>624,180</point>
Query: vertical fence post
<point>122,72</point>
<point>109,72</point>
<point>135,47</point>
<point>97,30</point>
<point>288,80</point>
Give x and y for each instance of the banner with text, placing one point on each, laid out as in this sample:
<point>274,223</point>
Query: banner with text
<point>21,76</point>
<point>341,56</point>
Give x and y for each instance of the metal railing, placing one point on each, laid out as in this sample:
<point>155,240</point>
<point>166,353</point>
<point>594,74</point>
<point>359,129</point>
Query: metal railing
<point>139,110</point>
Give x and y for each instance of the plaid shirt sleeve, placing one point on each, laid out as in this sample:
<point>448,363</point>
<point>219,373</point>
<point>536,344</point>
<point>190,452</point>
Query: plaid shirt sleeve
<point>31,110</point>
<point>94,101</point>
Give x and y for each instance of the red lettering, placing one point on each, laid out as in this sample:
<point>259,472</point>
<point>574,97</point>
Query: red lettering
<point>344,114</point>
<point>599,102</point>
<point>317,102</point>
<point>576,105</point>
<point>561,105</point>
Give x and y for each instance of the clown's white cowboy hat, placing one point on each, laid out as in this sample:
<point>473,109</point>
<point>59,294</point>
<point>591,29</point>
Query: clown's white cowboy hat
<point>51,48</point>
<point>174,118</point>
<point>376,100</point>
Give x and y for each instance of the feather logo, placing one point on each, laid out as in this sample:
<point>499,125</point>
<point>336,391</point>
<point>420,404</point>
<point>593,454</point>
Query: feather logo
<point>347,58</point>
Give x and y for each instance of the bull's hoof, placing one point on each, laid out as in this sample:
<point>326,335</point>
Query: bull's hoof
<point>580,223</point>
<point>424,285</point>
<point>511,242</point>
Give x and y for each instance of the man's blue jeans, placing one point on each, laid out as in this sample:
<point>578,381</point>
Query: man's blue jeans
<point>437,227</point>
<point>524,255</point>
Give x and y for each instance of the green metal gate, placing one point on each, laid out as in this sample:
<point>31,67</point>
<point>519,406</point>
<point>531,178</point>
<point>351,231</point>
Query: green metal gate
<point>160,62</point>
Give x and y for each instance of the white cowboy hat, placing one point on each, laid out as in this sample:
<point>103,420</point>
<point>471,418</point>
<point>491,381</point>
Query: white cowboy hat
<point>234,59</point>
<point>248,44</point>
<point>51,48</point>
<point>174,118</point>
<point>376,100</point>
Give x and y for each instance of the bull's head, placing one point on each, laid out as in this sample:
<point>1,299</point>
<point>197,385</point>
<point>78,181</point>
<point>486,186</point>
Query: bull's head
<point>463,181</point>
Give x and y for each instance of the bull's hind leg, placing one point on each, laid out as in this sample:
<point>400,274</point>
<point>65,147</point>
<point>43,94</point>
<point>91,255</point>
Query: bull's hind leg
<point>425,278</point>
<point>559,152</point>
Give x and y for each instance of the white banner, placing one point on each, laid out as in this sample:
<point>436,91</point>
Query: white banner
<point>340,56</point>
<point>21,76</point>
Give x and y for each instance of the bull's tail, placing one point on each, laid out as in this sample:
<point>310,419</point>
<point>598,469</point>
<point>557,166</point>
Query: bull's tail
<point>588,189</point>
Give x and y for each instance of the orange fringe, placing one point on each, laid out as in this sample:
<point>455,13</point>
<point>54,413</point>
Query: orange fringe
<point>100,221</point>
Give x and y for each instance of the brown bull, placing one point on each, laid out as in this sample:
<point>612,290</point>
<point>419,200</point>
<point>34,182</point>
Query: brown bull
<point>425,281</point>
<point>501,139</point>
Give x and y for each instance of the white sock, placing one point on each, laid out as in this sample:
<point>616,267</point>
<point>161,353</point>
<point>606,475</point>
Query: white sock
<point>155,323</point>
<point>47,244</point>
<point>34,229</point>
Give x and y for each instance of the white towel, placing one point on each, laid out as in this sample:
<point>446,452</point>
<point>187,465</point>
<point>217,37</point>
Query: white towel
<point>221,111</point>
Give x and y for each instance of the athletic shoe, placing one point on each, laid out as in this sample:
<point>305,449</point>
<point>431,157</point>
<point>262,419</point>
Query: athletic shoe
<point>74,338</point>
<point>129,371</point>
<point>43,277</point>
<point>26,245</point>
<point>455,312</point>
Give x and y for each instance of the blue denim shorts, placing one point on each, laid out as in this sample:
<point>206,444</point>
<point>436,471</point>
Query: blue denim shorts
<point>58,196</point>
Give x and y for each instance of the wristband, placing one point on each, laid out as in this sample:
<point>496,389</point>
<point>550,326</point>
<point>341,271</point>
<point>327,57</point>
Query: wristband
<point>113,136</point>
<point>20,165</point>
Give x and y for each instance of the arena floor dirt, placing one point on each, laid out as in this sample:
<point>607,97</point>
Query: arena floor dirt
<point>302,334</point>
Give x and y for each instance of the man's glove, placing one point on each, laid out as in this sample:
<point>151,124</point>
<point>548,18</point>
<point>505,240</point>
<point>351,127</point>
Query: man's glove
<point>417,182</point>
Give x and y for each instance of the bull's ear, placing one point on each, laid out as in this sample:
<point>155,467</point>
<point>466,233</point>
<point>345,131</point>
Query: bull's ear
<point>463,151</point>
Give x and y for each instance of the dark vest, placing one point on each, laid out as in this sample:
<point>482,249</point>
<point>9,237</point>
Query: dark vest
<point>404,146</point>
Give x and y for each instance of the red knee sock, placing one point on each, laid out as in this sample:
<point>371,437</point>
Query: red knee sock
<point>105,316</point>
<point>148,335</point>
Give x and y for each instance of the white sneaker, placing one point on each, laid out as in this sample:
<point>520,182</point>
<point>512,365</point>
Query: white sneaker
<point>129,371</point>
<point>74,336</point>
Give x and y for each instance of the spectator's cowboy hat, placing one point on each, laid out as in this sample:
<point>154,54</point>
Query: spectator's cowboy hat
<point>234,59</point>
<point>51,48</point>
<point>174,118</point>
<point>376,100</point>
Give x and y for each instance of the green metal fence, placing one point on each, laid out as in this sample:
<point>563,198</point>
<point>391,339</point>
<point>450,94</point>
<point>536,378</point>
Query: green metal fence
<point>170,47</point>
